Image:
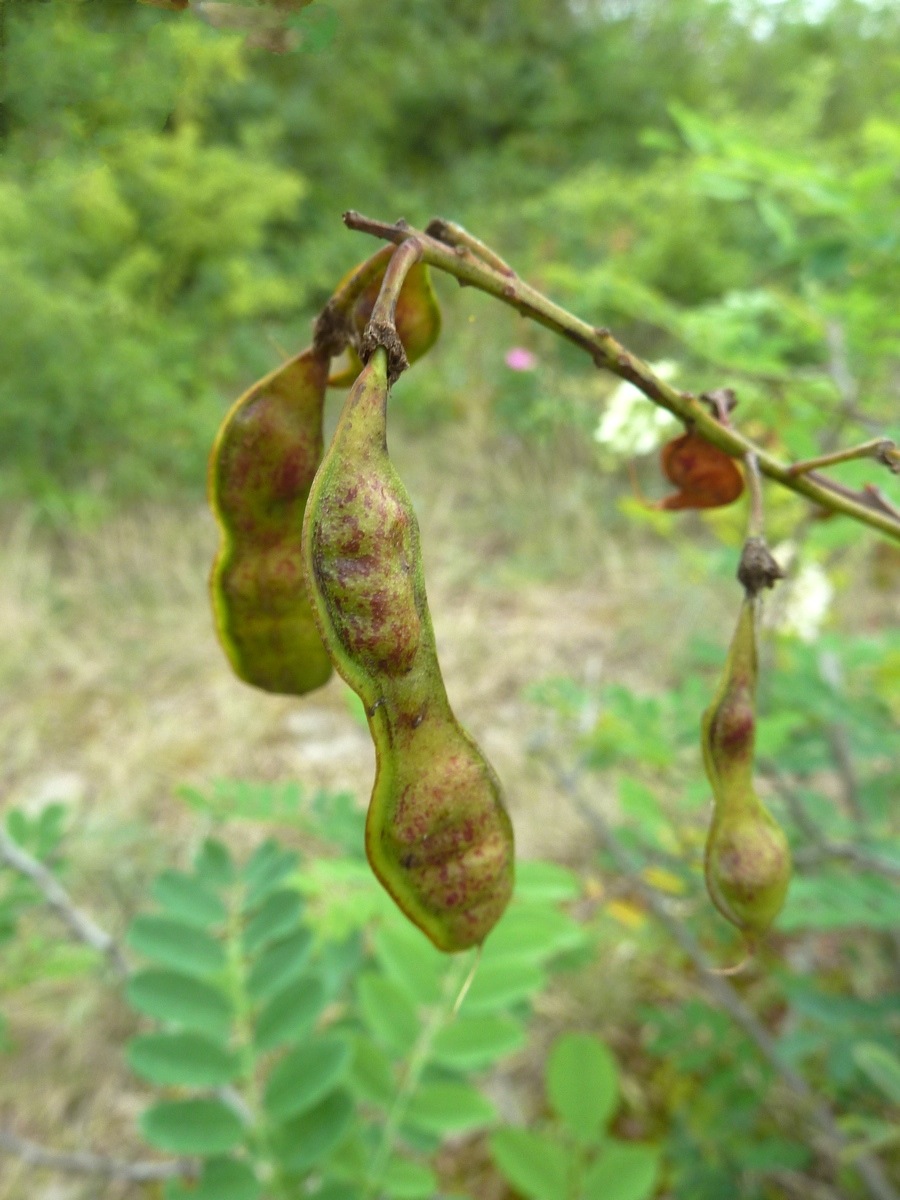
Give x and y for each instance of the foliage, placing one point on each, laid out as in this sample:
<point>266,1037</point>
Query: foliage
<point>300,1038</point>
<point>575,1159</point>
<point>726,195</point>
<point>825,708</point>
<point>134,245</point>
<point>300,1035</point>
<point>726,200</point>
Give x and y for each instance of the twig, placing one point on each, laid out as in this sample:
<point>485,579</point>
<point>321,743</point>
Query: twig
<point>381,329</point>
<point>883,450</point>
<point>756,522</point>
<point>82,1163</point>
<point>609,354</point>
<point>757,569</point>
<point>839,369</point>
<point>847,852</point>
<point>867,1165</point>
<point>839,744</point>
<point>439,1016</point>
<point>455,235</point>
<point>824,847</point>
<point>56,896</point>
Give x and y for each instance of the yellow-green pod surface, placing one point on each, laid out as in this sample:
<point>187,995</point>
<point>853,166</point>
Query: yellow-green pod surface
<point>417,318</point>
<point>260,471</point>
<point>437,834</point>
<point>747,861</point>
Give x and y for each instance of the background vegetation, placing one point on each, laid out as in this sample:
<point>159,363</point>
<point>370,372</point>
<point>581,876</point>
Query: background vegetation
<point>716,181</point>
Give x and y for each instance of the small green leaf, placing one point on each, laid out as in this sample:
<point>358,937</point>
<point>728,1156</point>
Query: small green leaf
<point>279,915</point>
<point>307,1139</point>
<point>191,1126</point>
<point>881,1066</point>
<point>305,1075</point>
<point>290,1013</point>
<point>411,962</point>
<point>177,945</point>
<point>406,1180</point>
<point>623,1171</point>
<point>834,899</point>
<point>471,1043</point>
<point>502,984</point>
<point>388,1012</point>
<point>534,1164</point>
<point>214,865</point>
<point>222,1179</point>
<point>449,1108</point>
<point>372,1075</point>
<point>545,883</point>
<point>279,965</point>
<point>180,1000</point>
<point>532,932</point>
<point>867,1133</point>
<point>260,862</point>
<point>582,1084</point>
<point>269,877</point>
<point>181,1060</point>
<point>185,897</point>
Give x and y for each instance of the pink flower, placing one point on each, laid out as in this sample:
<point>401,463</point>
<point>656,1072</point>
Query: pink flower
<point>520,359</point>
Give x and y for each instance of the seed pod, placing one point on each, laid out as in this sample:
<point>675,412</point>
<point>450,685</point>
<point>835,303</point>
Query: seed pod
<point>748,863</point>
<point>260,471</point>
<point>437,834</point>
<point>417,319</point>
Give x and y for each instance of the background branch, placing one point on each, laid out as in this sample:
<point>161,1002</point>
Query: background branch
<point>80,1163</point>
<point>475,271</point>
<point>79,923</point>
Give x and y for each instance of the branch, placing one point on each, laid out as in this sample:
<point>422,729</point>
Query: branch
<point>475,268</point>
<point>848,852</point>
<point>56,896</point>
<point>82,1163</point>
<point>822,847</point>
<point>728,999</point>
<point>882,450</point>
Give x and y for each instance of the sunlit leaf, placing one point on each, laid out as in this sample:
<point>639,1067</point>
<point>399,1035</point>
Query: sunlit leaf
<point>533,1163</point>
<point>192,1126</point>
<point>582,1084</point>
<point>305,1075</point>
<point>181,1059</point>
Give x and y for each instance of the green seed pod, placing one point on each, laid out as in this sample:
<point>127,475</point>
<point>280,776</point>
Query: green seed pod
<point>437,834</point>
<point>748,862</point>
<point>417,318</point>
<point>260,471</point>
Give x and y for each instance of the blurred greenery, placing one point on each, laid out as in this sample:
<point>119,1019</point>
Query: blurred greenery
<point>715,179</point>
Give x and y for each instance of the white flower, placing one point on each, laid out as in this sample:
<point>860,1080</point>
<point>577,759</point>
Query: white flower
<point>802,602</point>
<point>631,424</point>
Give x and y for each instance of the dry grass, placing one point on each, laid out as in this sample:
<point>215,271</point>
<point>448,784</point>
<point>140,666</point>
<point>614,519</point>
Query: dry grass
<point>114,692</point>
